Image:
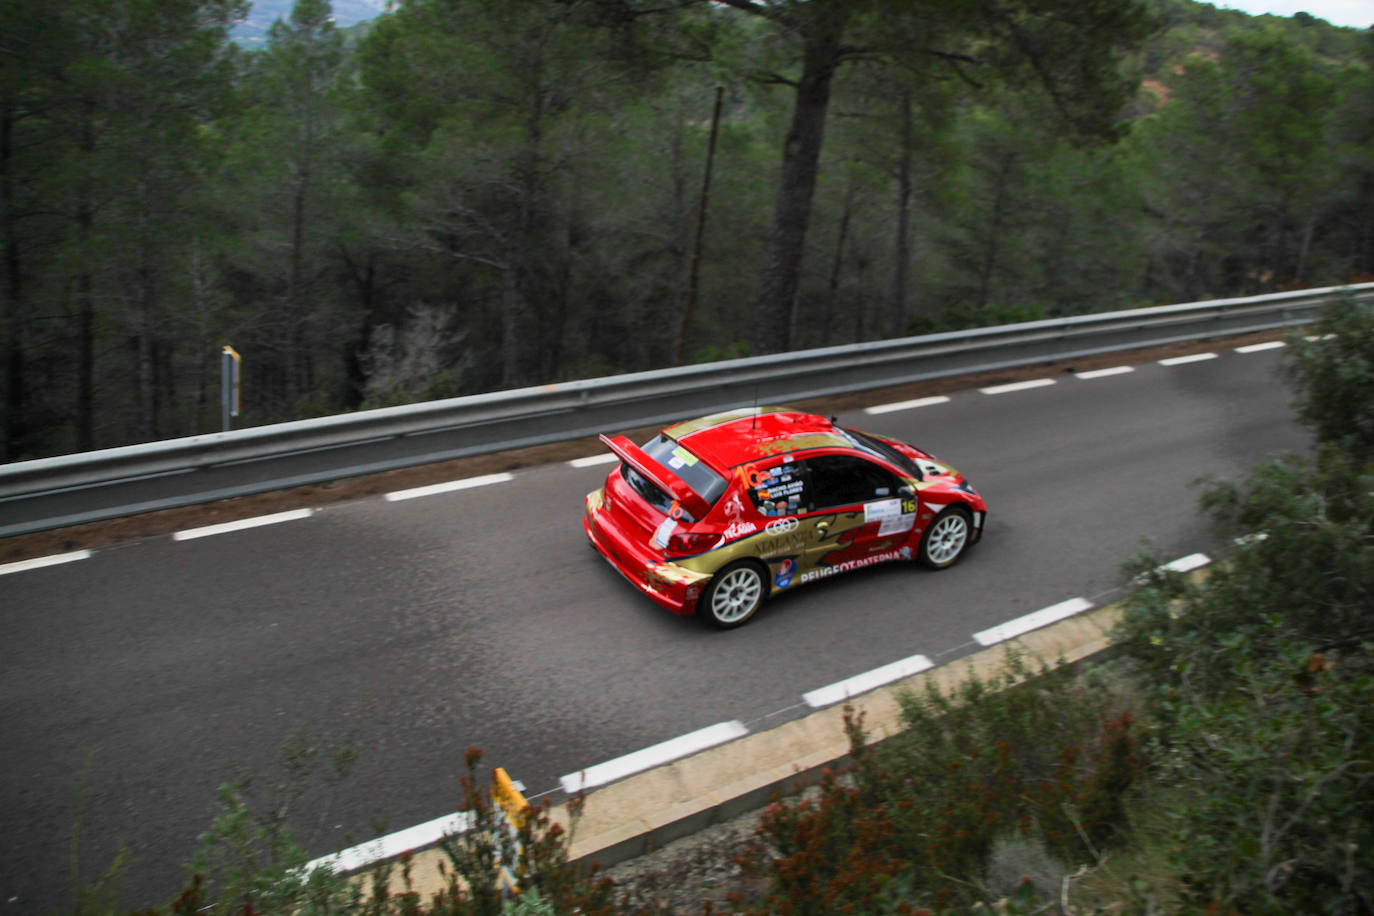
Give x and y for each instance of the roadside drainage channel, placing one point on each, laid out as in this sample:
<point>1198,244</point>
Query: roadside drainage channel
<point>638,813</point>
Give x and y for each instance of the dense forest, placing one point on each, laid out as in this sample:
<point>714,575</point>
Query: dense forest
<point>460,196</point>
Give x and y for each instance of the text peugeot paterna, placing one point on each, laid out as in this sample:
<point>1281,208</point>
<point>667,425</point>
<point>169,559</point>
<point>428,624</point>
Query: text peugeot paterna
<point>719,513</point>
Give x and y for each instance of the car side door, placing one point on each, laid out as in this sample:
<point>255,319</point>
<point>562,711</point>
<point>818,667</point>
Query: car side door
<point>859,508</point>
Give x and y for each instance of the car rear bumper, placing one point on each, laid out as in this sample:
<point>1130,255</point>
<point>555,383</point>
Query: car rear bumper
<point>667,584</point>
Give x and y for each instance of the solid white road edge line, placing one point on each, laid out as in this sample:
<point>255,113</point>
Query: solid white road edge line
<point>1033,621</point>
<point>907,405</point>
<point>869,680</point>
<point>650,757</point>
<point>449,486</point>
<point>1260,347</point>
<point>274,519</point>
<point>1103,373</point>
<point>39,562</point>
<point>393,844</point>
<point>1180,360</point>
<point>593,460</point>
<point>1018,386</point>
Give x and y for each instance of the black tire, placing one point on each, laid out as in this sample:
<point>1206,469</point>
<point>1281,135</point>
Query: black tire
<point>947,538</point>
<point>734,594</point>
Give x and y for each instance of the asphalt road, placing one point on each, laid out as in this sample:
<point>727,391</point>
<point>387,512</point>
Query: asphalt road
<point>161,669</point>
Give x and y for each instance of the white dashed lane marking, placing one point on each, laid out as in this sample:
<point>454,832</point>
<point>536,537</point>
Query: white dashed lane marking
<point>393,844</point>
<point>654,756</point>
<point>593,460</point>
<point>907,405</point>
<point>55,559</point>
<point>870,680</point>
<point>1261,347</point>
<point>1103,373</point>
<point>274,519</point>
<point>1018,386</point>
<point>466,483</point>
<point>1033,621</point>
<point>1181,360</point>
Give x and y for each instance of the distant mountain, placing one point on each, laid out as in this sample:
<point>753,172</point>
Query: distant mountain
<point>265,12</point>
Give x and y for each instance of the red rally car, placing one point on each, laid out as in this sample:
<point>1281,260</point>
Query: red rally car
<point>714,515</point>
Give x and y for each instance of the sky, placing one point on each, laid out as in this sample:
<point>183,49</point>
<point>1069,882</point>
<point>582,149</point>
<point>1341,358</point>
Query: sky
<point>1355,13</point>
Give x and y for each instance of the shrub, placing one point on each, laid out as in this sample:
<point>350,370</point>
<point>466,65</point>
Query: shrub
<point>1332,370</point>
<point>915,820</point>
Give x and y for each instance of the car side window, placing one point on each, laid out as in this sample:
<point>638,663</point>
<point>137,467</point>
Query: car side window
<point>845,480</point>
<point>779,489</point>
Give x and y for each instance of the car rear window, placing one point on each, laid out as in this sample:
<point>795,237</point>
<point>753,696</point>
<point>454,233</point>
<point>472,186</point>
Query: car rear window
<point>686,466</point>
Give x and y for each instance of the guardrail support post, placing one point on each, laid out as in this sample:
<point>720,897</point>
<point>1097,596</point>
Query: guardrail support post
<point>230,386</point>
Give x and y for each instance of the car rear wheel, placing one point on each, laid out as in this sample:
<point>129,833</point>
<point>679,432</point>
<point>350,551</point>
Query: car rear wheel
<point>734,594</point>
<point>947,538</point>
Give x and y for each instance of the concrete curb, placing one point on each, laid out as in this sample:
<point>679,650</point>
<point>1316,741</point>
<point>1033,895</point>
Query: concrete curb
<point>641,813</point>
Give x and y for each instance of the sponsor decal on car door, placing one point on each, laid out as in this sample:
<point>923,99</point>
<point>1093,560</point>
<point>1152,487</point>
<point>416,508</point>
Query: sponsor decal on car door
<point>778,492</point>
<point>872,515</point>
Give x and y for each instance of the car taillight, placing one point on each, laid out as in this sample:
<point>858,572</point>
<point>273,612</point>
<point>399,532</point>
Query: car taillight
<point>685,542</point>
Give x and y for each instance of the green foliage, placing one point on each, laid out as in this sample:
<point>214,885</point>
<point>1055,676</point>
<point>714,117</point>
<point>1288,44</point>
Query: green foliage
<point>736,349</point>
<point>1332,369</point>
<point>1040,755</point>
<point>102,895</point>
<point>533,852</point>
<point>1239,167</point>
<point>529,903</point>
<point>532,174</point>
<point>1276,813</point>
<point>1304,574</point>
<point>1261,716</point>
<point>958,318</point>
<point>249,861</point>
<point>1263,687</point>
<point>1261,673</point>
<point>250,858</point>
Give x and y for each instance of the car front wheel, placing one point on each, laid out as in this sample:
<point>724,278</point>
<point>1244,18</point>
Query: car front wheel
<point>734,594</point>
<point>946,539</point>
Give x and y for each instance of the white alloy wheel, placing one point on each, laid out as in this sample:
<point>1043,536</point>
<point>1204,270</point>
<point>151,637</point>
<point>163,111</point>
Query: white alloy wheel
<point>945,539</point>
<point>733,595</point>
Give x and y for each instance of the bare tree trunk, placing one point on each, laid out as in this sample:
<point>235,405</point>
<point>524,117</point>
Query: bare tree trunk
<point>12,443</point>
<point>85,307</point>
<point>902,251</point>
<point>147,343</point>
<point>512,332</point>
<point>295,294</point>
<point>85,346</point>
<point>690,298</point>
<point>837,265</point>
<point>1309,229</point>
<point>995,219</point>
<point>821,34</point>
<point>364,277</point>
<point>521,348</point>
<point>678,251</point>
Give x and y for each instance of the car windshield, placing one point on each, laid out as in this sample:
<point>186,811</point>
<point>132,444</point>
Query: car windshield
<point>687,467</point>
<point>883,450</point>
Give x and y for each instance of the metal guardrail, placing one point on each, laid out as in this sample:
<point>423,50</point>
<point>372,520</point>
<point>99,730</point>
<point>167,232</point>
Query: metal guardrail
<point>92,486</point>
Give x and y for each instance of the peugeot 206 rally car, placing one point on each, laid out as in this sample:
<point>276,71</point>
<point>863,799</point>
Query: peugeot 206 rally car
<point>717,514</point>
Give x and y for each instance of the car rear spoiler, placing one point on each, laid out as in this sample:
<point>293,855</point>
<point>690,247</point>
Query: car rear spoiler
<point>657,474</point>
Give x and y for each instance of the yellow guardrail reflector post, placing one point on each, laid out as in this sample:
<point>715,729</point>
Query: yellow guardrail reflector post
<point>511,814</point>
<point>231,385</point>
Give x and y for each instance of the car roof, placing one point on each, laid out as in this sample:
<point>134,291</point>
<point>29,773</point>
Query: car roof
<point>732,438</point>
